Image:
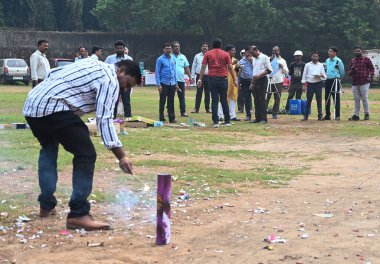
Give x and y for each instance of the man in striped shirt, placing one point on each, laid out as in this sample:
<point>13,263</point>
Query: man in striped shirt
<point>52,112</point>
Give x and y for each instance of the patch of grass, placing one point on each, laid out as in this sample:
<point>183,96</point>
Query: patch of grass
<point>101,196</point>
<point>239,153</point>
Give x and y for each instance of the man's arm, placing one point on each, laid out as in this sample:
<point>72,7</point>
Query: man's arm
<point>187,71</point>
<point>202,72</point>
<point>284,67</point>
<point>341,69</point>
<point>105,102</point>
<point>157,73</point>
<point>232,72</point>
<point>194,66</point>
<point>33,68</point>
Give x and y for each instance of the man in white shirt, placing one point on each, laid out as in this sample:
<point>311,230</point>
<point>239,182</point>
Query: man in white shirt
<point>82,53</point>
<point>125,95</point>
<point>195,70</point>
<point>96,53</point>
<point>126,52</point>
<point>39,64</point>
<point>312,77</point>
<point>261,68</point>
<point>280,68</point>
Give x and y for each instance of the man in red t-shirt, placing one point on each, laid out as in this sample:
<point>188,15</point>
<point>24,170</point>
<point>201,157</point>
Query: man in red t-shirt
<point>362,71</point>
<point>218,61</point>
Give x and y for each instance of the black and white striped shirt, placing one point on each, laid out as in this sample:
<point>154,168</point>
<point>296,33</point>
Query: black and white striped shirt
<point>82,87</point>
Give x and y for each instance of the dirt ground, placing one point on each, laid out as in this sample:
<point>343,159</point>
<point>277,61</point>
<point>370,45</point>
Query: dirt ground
<point>342,182</point>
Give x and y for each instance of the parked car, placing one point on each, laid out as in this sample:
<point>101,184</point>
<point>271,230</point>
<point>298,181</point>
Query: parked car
<point>58,62</point>
<point>14,70</point>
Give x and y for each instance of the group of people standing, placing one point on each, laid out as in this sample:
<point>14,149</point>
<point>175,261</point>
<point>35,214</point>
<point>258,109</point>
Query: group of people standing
<point>218,72</point>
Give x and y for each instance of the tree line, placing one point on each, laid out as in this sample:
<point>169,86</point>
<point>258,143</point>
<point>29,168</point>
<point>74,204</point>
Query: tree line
<point>308,23</point>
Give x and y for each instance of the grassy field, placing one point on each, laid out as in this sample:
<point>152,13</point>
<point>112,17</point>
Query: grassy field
<point>205,160</point>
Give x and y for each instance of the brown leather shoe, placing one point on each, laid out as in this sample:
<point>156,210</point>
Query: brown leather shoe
<point>46,213</point>
<point>86,222</point>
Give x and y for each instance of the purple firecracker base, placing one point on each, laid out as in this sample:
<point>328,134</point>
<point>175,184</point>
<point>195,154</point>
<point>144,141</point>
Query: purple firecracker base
<point>164,192</point>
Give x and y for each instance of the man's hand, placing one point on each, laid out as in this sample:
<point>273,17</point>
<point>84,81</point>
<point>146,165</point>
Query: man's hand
<point>125,165</point>
<point>256,77</point>
<point>192,81</point>
<point>369,79</point>
<point>304,87</point>
<point>280,65</point>
<point>177,89</point>
<point>199,83</point>
<point>251,87</point>
<point>160,89</point>
<point>236,83</point>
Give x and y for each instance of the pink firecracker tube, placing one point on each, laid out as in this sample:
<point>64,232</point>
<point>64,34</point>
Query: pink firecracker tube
<point>164,192</point>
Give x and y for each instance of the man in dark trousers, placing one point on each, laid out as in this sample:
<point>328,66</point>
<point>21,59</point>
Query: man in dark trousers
<point>218,61</point>
<point>125,95</point>
<point>182,67</point>
<point>261,68</point>
<point>295,72</point>
<point>166,80</point>
<point>361,69</point>
<point>312,77</point>
<point>53,112</point>
<point>195,70</point>
<point>335,72</point>
<point>246,72</point>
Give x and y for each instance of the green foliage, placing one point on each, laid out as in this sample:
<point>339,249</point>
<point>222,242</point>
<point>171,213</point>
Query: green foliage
<point>309,24</point>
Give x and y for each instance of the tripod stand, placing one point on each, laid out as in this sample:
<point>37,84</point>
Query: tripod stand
<point>269,92</point>
<point>336,89</point>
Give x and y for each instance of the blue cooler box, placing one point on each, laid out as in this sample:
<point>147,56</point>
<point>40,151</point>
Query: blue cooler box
<point>303,107</point>
<point>295,107</point>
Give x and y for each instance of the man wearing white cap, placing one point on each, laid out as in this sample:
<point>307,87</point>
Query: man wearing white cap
<point>296,69</point>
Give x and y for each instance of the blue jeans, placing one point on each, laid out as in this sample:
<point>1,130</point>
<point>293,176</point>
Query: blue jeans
<point>66,129</point>
<point>218,87</point>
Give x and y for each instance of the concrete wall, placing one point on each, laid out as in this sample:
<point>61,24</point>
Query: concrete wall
<point>145,48</point>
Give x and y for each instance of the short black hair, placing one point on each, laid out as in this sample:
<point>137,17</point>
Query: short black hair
<point>229,47</point>
<point>247,48</point>
<point>82,47</point>
<point>255,48</point>
<point>217,43</point>
<point>204,43</point>
<point>95,49</point>
<point>333,48</point>
<point>119,43</point>
<point>358,47</point>
<point>42,41</point>
<point>314,52</point>
<point>175,42</point>
<point>167,44</point>
<point>130,68</point>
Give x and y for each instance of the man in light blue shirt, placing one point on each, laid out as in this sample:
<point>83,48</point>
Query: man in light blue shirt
<point>245,74</point>
<point>335,72</point>
<point>182,66</point>
<point>125,95</point>
<point>166,80</point>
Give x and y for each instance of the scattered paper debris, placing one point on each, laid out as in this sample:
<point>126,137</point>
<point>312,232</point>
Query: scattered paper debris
<point>96,244</point>
<point>273,239</point>
<point>324,215</point>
